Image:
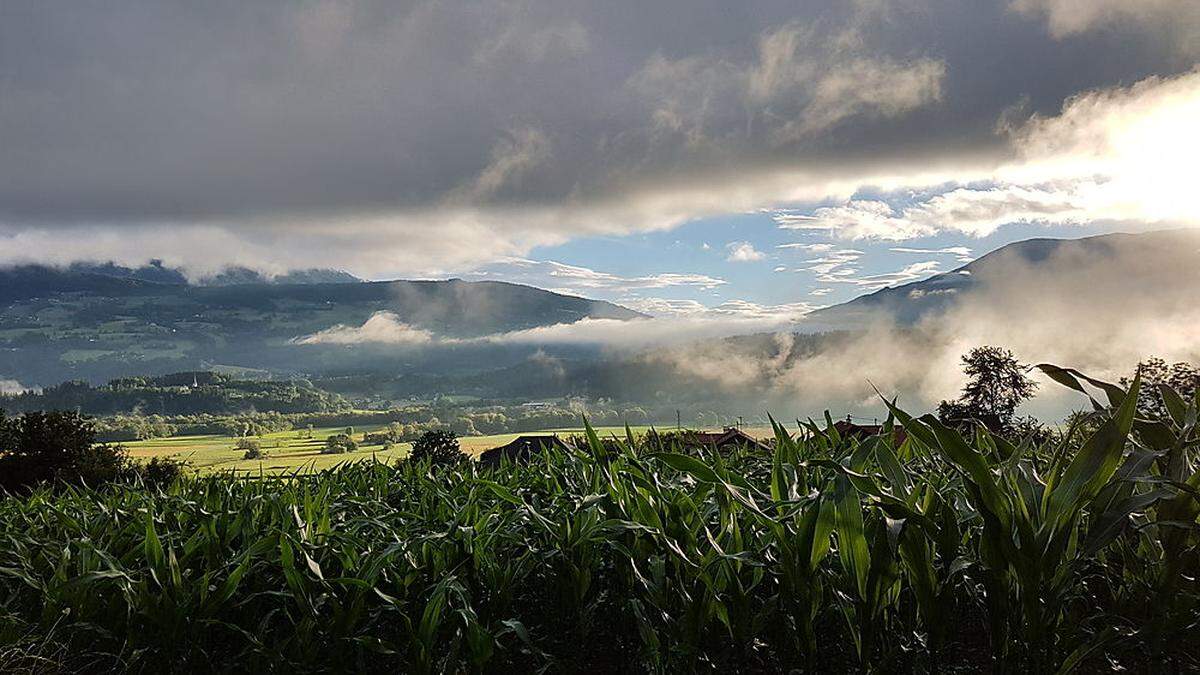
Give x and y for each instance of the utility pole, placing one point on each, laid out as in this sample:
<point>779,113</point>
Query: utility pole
<point>678,422</point>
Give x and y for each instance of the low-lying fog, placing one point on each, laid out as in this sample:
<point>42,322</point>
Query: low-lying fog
<point>1101,313</point>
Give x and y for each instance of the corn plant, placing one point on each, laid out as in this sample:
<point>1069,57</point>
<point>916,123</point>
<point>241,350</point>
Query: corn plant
<point>827,554</point>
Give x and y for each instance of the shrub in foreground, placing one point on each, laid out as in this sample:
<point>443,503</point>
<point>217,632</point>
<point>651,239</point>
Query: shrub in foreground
<point>60,448</point>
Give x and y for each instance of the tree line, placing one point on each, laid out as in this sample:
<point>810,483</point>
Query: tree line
<point>186,393</point>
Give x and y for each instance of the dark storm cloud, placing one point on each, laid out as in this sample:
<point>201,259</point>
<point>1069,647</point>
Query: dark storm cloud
<point>390,136</point>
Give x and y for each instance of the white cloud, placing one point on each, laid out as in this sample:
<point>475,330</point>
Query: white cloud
<point>624,334</point>
<point>664,306</point>
<point>812,248</point>
<point>860,219</point>
<point>981,212</point>
<point>380,328</point>
<point>961,253</point>
<point>911,272</point>
<point>818,292</point>
<point>840,266</point>
<point>736,310</point>
<point>833,260</point>
<point>976,212</point>
<point>921,293</point>
<point>11,387</point>
<point>744,309</point>
<point>576,279</point>
<point>743,251</point>
<point>673,321</point>
<point>502,156</point>
<point>1177,20</point>
<point>694,322</point>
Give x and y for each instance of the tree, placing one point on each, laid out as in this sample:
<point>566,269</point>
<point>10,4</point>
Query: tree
<point>39,447</point>
<point>996,385</point>
<point>1183,377</point>
<point>440,446</point>
<point>154,426</point>
<point>464,426</point>
<point>395,432</point>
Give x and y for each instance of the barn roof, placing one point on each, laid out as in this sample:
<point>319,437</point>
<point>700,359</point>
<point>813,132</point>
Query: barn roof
<point>720,439</point>
<point>521,448</point>
<point>864,431</point>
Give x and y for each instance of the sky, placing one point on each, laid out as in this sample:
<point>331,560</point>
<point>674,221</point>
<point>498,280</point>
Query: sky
<point>682,157</point>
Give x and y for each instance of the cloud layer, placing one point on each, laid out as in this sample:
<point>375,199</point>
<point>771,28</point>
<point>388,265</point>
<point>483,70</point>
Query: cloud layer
<point>423,137</point>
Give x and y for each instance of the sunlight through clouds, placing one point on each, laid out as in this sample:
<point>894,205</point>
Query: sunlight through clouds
<point>1118,155</point>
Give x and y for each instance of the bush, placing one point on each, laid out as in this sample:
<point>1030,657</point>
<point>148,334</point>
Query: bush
<point>251,449</point>
<point>159,472</point>
<point>338,444</point>
<point>99,464</point>
<point>439,446</point>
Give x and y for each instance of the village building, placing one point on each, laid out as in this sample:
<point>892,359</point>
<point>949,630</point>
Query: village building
<point>726,438</point>
<point>521,449</point>
<point>862,432</point>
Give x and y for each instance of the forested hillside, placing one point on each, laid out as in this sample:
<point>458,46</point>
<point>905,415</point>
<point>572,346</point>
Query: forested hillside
<point>60,324</point>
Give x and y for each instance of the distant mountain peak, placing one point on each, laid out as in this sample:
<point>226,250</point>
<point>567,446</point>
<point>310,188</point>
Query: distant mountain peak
<point>912,301</point>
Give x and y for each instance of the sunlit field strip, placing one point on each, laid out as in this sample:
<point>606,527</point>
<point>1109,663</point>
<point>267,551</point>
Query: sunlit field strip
<point>289,451</point>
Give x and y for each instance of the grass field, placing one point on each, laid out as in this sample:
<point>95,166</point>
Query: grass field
<point>289,451</point>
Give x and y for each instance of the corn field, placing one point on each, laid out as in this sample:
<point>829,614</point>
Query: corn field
<point>942,553</point>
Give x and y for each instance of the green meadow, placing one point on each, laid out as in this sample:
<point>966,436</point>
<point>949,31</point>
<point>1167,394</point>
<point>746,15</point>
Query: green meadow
<point>300,450</point>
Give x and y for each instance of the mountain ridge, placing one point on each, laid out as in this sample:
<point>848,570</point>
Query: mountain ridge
<point>910,302</point>
<point>58,324</point>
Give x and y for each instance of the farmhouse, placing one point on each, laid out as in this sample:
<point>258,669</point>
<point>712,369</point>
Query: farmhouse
<point>729,437</point>
<point>521,448</point>
<point>862,432</point>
